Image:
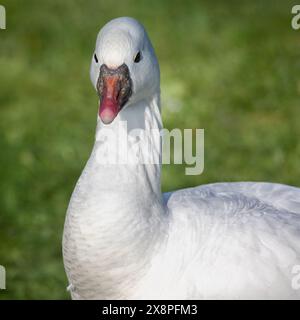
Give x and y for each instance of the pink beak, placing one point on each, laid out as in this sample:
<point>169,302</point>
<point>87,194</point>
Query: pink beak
<point>110,105</point>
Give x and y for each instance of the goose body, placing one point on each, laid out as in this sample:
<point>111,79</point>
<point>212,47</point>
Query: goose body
<point>124,239</point>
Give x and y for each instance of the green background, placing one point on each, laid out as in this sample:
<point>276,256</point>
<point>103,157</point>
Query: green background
<point>230,67</point>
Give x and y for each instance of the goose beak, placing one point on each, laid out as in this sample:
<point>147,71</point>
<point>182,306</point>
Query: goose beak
<point>114,88</point>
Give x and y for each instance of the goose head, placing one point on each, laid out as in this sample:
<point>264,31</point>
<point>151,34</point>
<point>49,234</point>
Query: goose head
<point>124,68</point>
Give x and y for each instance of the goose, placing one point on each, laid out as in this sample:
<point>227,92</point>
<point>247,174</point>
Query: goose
<point>124,239</point>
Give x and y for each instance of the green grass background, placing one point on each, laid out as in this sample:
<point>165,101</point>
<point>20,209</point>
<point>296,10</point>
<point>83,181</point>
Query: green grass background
<point>230,67</point>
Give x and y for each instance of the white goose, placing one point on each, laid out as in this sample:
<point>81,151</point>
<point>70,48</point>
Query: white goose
<point>124,239</point>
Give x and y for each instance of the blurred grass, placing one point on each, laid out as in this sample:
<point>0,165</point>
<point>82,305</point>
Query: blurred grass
<point>229,67</point>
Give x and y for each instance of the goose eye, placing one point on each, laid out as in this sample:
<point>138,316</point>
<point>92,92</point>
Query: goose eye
<point>95,57</point>
<point>138,57</point>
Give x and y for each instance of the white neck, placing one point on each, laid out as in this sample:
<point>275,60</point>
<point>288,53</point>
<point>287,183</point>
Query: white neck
<point>143,116</point>
<point>122,216</point>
